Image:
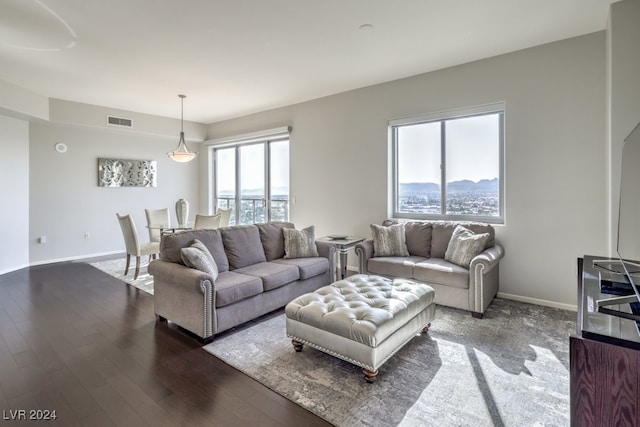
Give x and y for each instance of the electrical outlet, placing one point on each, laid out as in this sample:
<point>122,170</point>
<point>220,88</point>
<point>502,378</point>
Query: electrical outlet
<point>42,239</point>
<point>87,235</point>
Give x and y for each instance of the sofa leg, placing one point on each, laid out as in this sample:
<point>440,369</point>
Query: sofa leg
<point>370,376</point>
<point>297,345</point>
<point>477,315</point>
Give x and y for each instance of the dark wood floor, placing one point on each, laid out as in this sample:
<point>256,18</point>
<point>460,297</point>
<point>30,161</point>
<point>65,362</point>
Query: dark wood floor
<point>77,341</point>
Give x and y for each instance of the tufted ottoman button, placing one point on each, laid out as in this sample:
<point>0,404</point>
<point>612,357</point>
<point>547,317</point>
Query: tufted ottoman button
<point>363,319</point>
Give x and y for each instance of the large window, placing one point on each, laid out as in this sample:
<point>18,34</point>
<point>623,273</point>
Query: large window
<point>250,175</point>
<point>450,165</point>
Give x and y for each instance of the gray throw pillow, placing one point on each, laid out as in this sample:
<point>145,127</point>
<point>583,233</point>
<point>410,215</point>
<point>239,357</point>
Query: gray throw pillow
<point>300,243</point>
<point>465,245</point>
<point>389,241</point>
<point>198,256</point>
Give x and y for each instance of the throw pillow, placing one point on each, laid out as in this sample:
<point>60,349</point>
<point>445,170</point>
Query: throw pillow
<point>300,243</point>
<point>389,241</point>
<point>465,245</point>
<point>198,256</point>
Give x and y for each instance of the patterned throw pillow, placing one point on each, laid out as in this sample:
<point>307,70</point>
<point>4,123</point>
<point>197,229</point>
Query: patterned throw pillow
<point>198,256</point>
<point>300,243</point>
<point>465,245</point>
<point>389,241</point>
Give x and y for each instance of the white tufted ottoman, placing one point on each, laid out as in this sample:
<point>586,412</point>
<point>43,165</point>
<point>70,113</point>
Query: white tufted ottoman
<point>363,319</point>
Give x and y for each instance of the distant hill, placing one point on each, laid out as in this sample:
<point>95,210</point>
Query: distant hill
<point>464,186</point>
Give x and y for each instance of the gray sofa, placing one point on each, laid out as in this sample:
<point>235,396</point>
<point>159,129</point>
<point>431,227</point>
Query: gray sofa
<point>254,278</point>
<point>470,289</point>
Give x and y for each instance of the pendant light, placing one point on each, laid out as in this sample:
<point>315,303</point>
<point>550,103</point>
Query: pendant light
<point>181,153</point>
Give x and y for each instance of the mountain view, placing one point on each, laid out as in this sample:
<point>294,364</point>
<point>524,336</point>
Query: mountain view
<point>463,198</point>
<point>464,186</point>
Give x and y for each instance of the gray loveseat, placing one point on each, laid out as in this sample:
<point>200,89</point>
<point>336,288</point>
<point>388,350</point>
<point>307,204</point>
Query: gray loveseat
<point>471,288</point>
<point>254,277</point>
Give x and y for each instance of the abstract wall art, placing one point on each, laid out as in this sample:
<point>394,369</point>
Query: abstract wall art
<point>126,173</point>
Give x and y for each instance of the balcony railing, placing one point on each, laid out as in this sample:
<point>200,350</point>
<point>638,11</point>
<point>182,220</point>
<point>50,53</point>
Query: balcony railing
<point>252,209</point>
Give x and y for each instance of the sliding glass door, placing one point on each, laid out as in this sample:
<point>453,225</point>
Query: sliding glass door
<point>252,183</point>
<point>253,180</point>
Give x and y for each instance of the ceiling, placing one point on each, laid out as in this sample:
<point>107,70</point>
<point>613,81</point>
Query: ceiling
<point>236,57</point>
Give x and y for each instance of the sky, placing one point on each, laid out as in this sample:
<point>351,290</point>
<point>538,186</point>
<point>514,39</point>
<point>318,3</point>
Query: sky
<point>252,158</point>
<point>472,150</point>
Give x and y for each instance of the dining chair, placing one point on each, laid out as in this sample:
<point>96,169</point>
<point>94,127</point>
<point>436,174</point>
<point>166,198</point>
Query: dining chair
<point>156,217</point>
<point>225,216</point>
<point>210,222</point>
<point>133,245</point>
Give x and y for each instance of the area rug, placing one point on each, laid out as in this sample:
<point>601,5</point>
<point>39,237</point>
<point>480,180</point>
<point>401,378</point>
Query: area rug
<point>115,268</point>
<point>510,368</point>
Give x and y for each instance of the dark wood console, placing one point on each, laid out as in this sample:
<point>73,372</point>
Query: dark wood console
<point>604,359</point>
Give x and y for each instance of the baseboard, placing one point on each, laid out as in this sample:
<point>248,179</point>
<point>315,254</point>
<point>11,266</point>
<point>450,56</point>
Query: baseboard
<point>537,301</point>
<point>14,268</point>
<point>74,258</point>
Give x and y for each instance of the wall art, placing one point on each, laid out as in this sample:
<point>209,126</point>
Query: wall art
<point>126,173</point>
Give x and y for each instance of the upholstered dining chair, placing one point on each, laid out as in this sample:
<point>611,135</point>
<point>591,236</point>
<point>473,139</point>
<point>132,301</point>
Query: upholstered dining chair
<point>225,216</point>
<point>133,245</point>
<point>156,217</point>
<point>207,221</point>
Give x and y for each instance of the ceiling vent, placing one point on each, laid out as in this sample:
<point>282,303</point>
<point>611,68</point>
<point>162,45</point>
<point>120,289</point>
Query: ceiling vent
<point>119,121</point>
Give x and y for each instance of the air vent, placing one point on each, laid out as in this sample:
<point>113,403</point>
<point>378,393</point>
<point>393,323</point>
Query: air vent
<point>119,121</point>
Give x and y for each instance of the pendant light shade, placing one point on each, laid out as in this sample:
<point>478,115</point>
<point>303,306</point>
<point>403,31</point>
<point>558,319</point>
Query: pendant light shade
<point>181,153</point>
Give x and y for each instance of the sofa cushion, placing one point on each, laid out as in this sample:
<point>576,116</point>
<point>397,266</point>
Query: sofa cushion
<point>479,227</point>
<point>309,267</point>
<point>389,241</point>
<point>172,243</point>
<point>442,231</point>
<point>272,238</point>
<point>464,246</point>
<point>393,266</point>
<point>242,245</point>
<point>441,272</point>
<point>231,287</point>
<point>198,256</point>
<point>440,236</point>
<point>300,243</point>
<point>273,274</point>
<point>418,238</point>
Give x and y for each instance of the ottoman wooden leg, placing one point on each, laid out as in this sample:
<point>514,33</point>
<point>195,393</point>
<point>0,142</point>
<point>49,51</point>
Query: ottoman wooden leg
<point>426,328</point>
<point>370,376</point>
<point>297,345</point>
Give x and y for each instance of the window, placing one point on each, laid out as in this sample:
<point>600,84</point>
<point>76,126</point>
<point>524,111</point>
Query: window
<point>250,175</point>
<point>462,149</point>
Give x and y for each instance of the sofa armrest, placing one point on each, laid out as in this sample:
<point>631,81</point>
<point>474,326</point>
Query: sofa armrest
<point>489,258</point>
<point>484,277</point>
<point>178,274</point>
<point>185,296</point>
<point>364,251</point>
<point>327,250</point>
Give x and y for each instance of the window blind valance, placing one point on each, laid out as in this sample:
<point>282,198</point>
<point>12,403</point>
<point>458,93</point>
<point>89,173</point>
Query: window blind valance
<point>247,138</point>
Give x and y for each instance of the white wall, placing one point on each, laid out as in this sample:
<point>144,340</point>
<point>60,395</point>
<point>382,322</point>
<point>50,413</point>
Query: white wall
<point>14,193</point>
<point>66,202</point>
<point>555,155</point>
<point>623,80</point>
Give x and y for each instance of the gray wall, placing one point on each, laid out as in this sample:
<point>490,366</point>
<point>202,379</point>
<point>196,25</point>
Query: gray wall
<point>65,201</point>
<point>555,156</point>
<point>14,193</point>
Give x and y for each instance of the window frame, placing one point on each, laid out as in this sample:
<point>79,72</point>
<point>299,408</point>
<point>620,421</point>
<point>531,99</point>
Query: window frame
<point>237,142</point>
<point>442,118</point>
